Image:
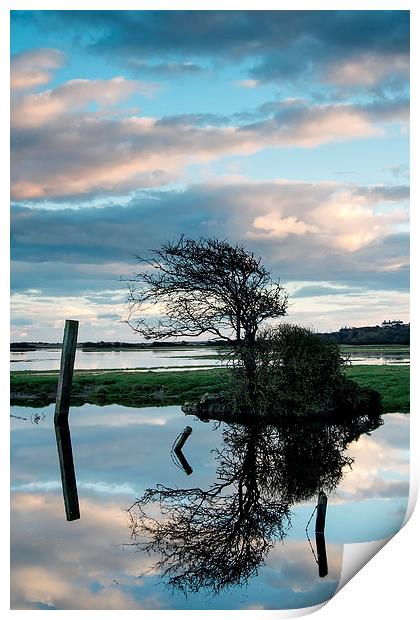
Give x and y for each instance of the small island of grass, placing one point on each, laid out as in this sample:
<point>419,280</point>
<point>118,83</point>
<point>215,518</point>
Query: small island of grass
<point>137,389</point>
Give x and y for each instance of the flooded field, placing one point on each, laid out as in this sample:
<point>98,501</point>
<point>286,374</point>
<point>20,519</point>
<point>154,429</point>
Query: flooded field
<point>119,452</point>
<point>160,359</point>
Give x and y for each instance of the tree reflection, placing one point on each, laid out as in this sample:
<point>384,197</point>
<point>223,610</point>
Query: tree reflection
<point>217,538</point>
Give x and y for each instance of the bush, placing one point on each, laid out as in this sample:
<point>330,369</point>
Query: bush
<point>295,373</point>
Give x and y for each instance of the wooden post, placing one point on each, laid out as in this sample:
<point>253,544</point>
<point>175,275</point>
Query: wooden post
<point>322,555</point>
<point>68,353</point>
<point>321,512</point>
<point>178,450</point>
<point>61,421</point>
<point>68,476</point>
<point>183,438</point>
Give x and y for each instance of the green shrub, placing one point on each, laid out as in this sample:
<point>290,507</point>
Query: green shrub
<point>296,373</point>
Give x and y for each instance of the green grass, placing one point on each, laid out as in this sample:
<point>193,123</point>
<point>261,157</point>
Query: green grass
<point>125,388</point>
<point>392,383</point>
<point>174,388</point>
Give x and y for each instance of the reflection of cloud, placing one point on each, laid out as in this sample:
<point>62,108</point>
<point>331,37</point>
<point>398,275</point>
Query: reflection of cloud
<point>60,564</point>
<point>383,488</point>
<point>396,432</point>
<point>78,573</point>
<point>35,586</point>
<point>89,569</point>
<point>298,569</point>
<point>103,488</point>
<point>381,468</point>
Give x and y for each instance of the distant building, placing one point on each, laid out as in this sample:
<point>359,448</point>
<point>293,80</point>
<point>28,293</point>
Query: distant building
<point>392,323</point>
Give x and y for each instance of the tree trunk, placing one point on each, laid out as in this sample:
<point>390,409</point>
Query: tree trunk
<point>250,366</point>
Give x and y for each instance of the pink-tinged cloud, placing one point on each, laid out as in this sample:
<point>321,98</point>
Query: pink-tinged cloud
<point>89,552</point>
<point>368,69</point>
<point>33,68</point>
<point>62,148</point>
<point>273,225</point>
<point>344,220</point>
<point>43,109</point>
<point>249,83</point>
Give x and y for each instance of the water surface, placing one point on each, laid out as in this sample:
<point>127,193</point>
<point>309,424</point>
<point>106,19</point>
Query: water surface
<point>158,359</point>
<point>119,452</point>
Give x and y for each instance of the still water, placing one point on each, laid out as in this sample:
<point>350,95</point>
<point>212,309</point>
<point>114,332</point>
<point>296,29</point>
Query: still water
<point>159,359</point>
<point>119,452</point>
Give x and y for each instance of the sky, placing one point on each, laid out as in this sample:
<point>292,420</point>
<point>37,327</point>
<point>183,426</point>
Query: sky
<point>286,131</point>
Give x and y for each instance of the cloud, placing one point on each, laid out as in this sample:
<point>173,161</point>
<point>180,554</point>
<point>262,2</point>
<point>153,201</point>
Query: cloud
<point>274,225</point>
<point>368,70</point>
<point>305,231</point>
<point>330,214</point>
<point>300,123</point>
<point>49,311</point>
<point>74,257</point>
<point>62,148</point>
<point>247,83</point>
<point>397,171</point>
<point>165,69</point>
<point>33,68</point>
<point>274,46</point>
<point>108,315</point>
<point>42,109</point>
<point>322,290</point>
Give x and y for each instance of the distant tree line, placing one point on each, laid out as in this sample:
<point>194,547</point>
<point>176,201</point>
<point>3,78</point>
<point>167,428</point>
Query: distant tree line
<point>396,334</point>
<point>147,345</point>
<point>393,334</point>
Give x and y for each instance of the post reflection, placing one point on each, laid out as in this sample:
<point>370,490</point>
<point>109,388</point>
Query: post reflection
<point>218,537</point>
<point>177,453</point>
<point>321,552</point>
<point>68,476</point>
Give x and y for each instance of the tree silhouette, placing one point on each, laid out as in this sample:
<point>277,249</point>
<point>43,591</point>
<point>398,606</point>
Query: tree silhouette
<point>204,286</point>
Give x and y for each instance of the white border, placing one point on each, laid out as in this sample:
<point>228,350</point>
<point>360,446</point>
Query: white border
<point>387,586</point>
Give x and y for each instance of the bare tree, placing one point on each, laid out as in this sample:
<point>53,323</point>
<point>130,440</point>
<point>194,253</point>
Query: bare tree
<point>204,286</point>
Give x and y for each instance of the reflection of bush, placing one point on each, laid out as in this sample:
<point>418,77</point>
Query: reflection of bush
<point>296,373</point>
<point>350,399</point>
<point>101,392</point>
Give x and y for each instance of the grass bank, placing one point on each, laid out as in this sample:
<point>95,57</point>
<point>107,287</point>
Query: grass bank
<point>103,387</point>
<point>137,389</point>
<point>392,383</point>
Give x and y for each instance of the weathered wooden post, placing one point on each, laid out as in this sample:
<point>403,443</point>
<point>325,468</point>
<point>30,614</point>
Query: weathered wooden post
<point>321,512</point>
<point>61,416</point>
<point>178,450</point>
<point>68,352</point>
